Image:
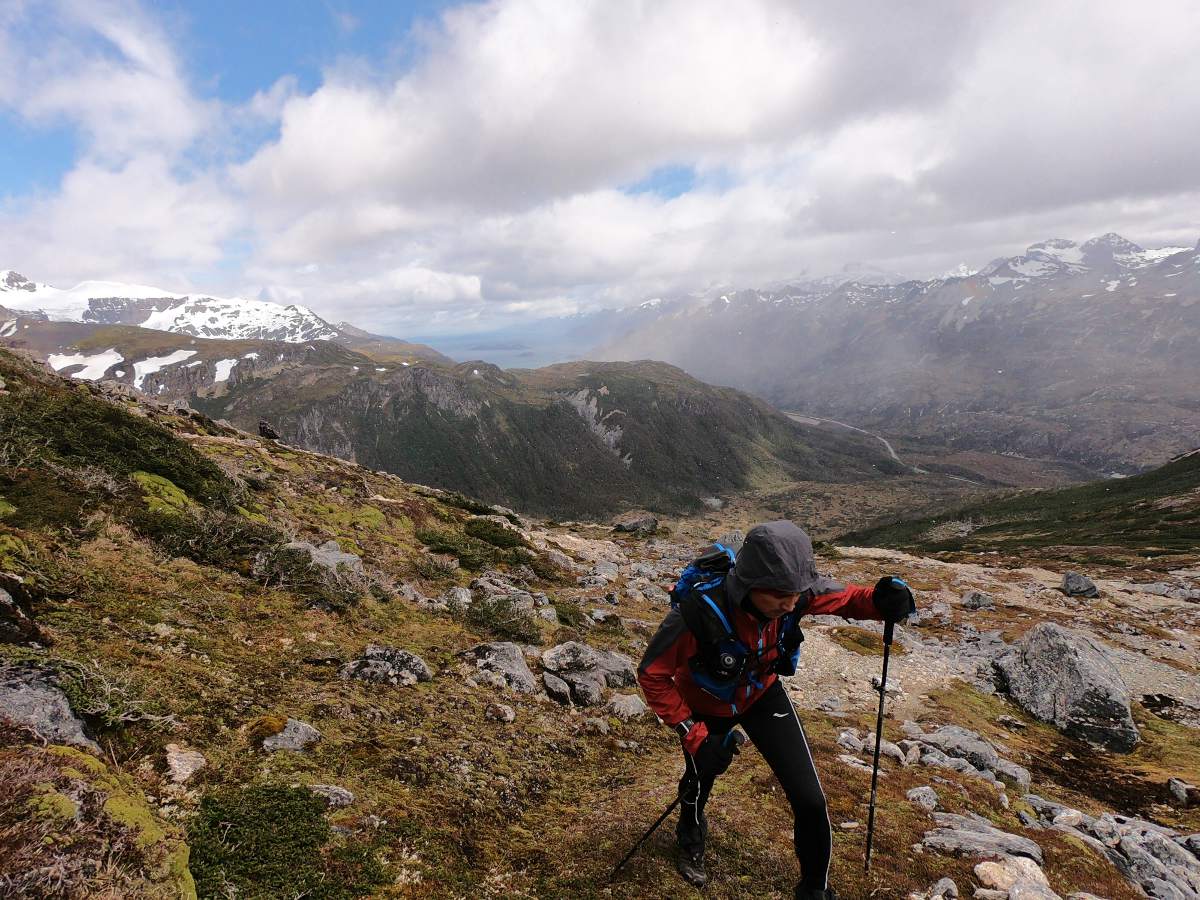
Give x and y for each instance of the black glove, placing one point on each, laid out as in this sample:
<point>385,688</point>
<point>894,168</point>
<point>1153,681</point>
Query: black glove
<point>893,599</point>
<point>714,755</point>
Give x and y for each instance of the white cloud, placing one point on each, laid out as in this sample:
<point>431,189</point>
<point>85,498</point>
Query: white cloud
<point>139,222</point>
<point>485,180</point>
<point>110,70</point>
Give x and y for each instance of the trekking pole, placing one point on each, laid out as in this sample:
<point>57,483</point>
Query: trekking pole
<point>738,739</point>
<point>888,630</point>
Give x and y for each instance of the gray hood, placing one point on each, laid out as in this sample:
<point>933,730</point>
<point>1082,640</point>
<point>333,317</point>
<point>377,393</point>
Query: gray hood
<point>777,556</point>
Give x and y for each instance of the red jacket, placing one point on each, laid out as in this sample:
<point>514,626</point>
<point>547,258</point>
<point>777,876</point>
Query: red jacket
<point>666,679</point>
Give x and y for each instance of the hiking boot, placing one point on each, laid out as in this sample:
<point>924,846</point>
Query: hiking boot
<point>690,863</point>
<point>811,893</point>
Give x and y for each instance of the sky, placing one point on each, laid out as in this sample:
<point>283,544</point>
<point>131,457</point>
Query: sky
<point>435,167</point>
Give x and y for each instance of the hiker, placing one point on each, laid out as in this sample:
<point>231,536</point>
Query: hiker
<point>714,664</point>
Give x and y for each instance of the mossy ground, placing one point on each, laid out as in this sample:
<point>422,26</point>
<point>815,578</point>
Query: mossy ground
<point>861,641</point>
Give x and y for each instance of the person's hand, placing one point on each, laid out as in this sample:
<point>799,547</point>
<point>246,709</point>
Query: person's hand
<point>714,755</point>
<point>893,599</point>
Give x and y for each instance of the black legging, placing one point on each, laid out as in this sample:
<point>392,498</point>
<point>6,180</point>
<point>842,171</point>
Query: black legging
<point>772,724</point>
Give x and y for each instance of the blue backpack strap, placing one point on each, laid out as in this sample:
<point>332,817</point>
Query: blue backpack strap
<point>788,645</point>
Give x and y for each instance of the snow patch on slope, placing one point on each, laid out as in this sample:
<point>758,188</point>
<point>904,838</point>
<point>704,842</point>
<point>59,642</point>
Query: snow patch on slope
<point>153,364</point>
<point>94,366</point>
<point>224,367</point>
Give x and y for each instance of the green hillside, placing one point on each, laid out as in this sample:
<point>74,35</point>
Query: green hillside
<point>1156,513</point>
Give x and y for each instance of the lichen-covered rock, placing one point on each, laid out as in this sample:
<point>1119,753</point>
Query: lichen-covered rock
<point>506,659</point>
<point>500,712</point>
<point>296,735</point>
<point>387,665</point>
<point>588,670</point>
<point>923,796</point>
<point>606,570</point>
<point>1066,677</point>
<point>30,696</point>
<point>335,796</point>
<point>1015,874</point>
<point>628,707</point>
<point>182,763</point>
<point>328,556</point>
<point>637,523</point>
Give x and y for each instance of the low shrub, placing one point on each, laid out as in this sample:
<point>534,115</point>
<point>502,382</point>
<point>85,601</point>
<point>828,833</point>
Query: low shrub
<point>494,533</point>
<point>500,617</point>
<point>472,553</point>
<point>268,841</point>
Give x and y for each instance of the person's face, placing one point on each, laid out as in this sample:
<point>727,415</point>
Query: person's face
<point>773,604</point>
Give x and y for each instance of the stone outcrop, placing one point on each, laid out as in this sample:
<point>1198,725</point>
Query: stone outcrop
<point>1066,678</point>
<point>973,835</point>
<point>588,671</point>
<point>30,696</point>
<point>1076,585</point>
<point>296,735</point>
<point>1159,860</point>
<point>387,665</point>
<point>505,660</point>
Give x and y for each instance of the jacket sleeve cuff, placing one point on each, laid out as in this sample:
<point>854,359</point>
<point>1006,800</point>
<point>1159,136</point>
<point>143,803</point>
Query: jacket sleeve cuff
<point>692,737</point>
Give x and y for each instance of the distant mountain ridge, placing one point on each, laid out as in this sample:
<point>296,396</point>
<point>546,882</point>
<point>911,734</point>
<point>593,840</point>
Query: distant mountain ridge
<point>1083,351</point>
<point>200,315</point>
<point>97,303</point>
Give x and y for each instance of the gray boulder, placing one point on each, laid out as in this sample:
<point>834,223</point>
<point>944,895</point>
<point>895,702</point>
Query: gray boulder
<point>978,600</point>
<point>973,835</point>
<point>387,665</point>
<point>959,742</point>
<point>556,688</point>
<point>505,659</point>
<point>296,735</point>
<point>588,670</point>
<point>1076,585</point>
<point>1186,794</point>
<point>457,599</point>
<point>1066,677</point>
<point>30,696</point>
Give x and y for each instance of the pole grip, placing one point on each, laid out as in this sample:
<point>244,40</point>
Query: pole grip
<point>889,631</point>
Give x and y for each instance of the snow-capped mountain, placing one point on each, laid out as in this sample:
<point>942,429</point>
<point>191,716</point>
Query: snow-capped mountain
<point>1084,351</point>
<point>199,315</point>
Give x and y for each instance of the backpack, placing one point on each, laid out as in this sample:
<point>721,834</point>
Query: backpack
<point>700,597</point>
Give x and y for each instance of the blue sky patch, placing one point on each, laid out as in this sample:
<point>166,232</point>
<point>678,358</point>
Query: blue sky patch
<point>665,181</point>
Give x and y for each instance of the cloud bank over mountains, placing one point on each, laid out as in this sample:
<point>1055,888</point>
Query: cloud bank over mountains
<point>528,157</point>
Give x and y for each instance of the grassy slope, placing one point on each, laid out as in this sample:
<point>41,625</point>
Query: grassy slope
<point>521,445</point>
<point>1153,514</point>
<point>449,803</point>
